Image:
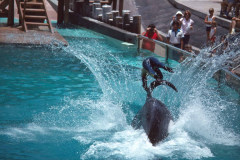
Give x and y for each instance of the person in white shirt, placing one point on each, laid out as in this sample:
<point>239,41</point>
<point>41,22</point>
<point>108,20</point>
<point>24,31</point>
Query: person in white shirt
<point>187,26</point>
<point>175,35</point>
<point>208,21</point>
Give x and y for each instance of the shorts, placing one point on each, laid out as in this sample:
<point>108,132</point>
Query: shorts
<point>186,39</point>
<point>177,45</point>
<point>208,29</point>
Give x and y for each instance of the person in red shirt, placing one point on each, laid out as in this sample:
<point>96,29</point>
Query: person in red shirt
<point>151,33</point>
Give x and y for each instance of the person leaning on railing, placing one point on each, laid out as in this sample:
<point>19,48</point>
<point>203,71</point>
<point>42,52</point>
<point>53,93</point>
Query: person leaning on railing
<point>234,24</point>
<point>175,35</point>
<point>151,33</point>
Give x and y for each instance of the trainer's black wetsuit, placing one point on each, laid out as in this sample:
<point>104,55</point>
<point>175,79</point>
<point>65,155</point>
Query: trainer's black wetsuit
<point>151,66</point>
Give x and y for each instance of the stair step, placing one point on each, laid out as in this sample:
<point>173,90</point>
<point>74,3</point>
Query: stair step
<point>32,3</point>
<point>35,23</point>
<point>35,17</point>
<point>33,10</point>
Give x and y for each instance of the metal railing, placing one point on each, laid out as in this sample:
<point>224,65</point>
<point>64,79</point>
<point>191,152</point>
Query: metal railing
<point>169,50</point>
<point>223,76</point>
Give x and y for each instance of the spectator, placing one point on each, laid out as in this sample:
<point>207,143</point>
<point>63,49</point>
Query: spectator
<point>212,34</point>
<point>151,33</point>
<point>222,47</point>
<point>226,7</point>
<point>187,25</point>
<point>224,42</point>
<point>237,7</point>
<point>177,17</point>
<point>175,35</point>
<point>188,48</point>
<point>235,23</point>
<point>208,21</point>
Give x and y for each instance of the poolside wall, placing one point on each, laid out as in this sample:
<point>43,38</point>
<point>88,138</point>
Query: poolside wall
<point>103,28</point>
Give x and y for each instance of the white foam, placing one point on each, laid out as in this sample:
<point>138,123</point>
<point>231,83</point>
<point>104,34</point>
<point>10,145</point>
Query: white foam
<point>203,123</point>
<point>134,144</point>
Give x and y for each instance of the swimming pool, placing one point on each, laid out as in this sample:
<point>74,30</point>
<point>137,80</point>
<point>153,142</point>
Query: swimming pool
<point>78,102</point>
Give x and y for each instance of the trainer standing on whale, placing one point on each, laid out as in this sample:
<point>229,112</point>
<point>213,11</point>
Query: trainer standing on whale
<point>154,116</point>
<point>151,66</point>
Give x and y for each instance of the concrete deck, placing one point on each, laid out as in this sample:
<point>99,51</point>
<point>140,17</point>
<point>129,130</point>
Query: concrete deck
<point>9,35</point>
<point>38,36</point>
<point>200,8</point>
<point>202,5</point>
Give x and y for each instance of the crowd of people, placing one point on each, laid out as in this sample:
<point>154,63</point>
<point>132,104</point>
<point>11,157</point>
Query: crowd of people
<point>181,27</point>
<point>179,34</point>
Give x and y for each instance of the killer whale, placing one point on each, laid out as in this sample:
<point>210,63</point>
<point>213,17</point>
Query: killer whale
<point>154,116</point>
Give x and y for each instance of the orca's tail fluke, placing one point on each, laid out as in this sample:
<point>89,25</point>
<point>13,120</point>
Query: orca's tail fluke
<point>156,83</point>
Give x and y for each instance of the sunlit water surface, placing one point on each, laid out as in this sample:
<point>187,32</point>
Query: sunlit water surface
<point>78,102</point>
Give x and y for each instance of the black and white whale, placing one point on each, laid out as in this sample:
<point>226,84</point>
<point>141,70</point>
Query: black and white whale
<point>154,116</point>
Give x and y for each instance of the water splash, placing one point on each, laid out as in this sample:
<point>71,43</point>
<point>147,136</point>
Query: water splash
<point>102,125</point>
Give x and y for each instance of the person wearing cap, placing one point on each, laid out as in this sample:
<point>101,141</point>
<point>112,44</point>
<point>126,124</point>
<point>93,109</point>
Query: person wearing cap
<point>151,66</point>
<point>177,17</point>
<point>151,33</point>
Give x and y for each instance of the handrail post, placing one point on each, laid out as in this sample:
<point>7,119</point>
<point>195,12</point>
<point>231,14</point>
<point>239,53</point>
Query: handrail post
<point>139,43</point>
<point>166,54</point>
<point>11,13</point>
<point>60,14</point>
<point>114,4</point>
<point>66,11</point>
<point>120,7</point>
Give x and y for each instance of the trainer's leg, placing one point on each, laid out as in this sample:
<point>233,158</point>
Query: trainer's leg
<point>154,84</point>
<point>159,73</point>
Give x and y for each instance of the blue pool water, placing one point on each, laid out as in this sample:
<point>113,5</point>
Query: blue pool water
<point>78,102</point>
